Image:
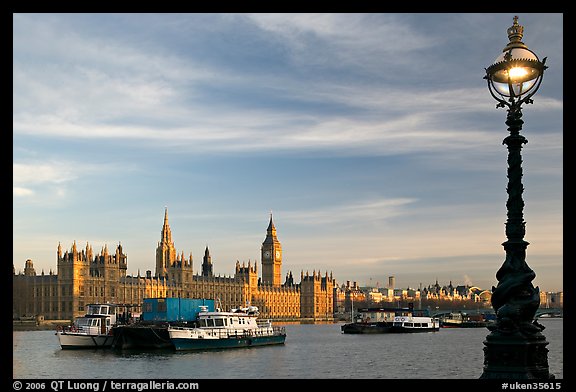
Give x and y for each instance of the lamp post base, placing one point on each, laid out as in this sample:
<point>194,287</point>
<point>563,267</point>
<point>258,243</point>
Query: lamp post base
<point>516,356</point>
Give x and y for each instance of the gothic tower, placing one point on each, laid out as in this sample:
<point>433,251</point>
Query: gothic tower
<point>271,257</point>
<point>165,252</point>
<point>207,263</point>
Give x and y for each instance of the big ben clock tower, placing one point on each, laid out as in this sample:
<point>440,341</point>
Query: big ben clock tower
<point>271,257</point>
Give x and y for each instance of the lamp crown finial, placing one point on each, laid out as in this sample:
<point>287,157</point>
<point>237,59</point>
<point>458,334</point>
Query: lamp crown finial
<point>515,34</point>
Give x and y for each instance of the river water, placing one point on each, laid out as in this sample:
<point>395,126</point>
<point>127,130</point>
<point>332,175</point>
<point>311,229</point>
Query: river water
<point>311,351</point>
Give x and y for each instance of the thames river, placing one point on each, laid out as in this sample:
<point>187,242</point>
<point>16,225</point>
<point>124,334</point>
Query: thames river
<point>311,351</point>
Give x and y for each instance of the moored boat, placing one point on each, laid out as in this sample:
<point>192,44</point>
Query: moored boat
<point>374,320</point>
<point>94,329</point>
<point>463,320</point>
<point>408,324</point>
<point>233,329</point>
<point>151,332</point>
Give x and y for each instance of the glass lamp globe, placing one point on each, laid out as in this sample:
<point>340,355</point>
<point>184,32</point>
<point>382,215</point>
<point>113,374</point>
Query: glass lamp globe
<point>516,71</point>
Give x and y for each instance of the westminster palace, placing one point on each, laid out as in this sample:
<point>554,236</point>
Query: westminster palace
<point>84,277</point>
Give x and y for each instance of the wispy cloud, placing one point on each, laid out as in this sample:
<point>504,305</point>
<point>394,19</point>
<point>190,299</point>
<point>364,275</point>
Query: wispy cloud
<point>360,212</point>
<point>51,178</point>
<point>340,40</point>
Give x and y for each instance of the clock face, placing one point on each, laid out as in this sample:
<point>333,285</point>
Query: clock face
<point>277,254</point>
<point>267,254</point>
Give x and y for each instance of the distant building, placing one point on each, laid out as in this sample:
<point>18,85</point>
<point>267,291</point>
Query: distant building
<point>550,299</point>
<point>387,294</point>
<point>391,282</point>
<point>84,277</point>
<point>374,295</point>
<point>399,293</point>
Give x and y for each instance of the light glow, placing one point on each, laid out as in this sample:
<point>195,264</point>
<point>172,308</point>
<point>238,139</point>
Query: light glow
<point>517,73</point>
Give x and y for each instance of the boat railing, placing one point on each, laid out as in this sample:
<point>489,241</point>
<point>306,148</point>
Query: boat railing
<point>263,323</point>
<point>248,333</point>
<point>223,333</point>
<point>279,330</point>
<point>67,328</point>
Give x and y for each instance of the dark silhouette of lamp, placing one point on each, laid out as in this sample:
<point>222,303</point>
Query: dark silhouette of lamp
<point>515,348</point>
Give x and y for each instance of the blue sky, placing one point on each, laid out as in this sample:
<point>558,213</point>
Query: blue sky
<point>372,139</point>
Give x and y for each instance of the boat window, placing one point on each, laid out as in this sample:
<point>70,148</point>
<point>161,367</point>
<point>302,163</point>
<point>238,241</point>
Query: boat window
<point>397,324</point>
<point>417,324</point>
<point>203,323</point>
<point>219,322</point>
<point>408,324</point>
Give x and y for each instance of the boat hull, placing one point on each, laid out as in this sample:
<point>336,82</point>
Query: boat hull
<point>142,337</point>
<point>474,324</point>
<point>365,328</point>
<point>71,340</point>
<point>185,344</point>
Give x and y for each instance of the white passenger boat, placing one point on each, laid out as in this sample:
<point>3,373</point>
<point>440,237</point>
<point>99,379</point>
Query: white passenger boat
<point>233,329</point>
<point>404,324</point>
<point>94,329</point>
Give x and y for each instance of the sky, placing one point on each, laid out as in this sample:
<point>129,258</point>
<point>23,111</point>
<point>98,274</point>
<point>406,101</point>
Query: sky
<point>372,139</point>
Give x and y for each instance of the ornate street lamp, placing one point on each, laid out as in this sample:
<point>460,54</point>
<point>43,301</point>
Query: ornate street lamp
<point>515,348</point>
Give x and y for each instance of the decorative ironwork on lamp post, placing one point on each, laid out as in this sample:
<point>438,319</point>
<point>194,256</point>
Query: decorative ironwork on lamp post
<point>515,348</point>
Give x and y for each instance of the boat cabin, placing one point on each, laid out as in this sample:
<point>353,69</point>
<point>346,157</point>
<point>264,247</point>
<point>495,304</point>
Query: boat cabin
<point>229,320</point>
<point>101,310</point>
<point>98,320</point>
<point>381,315</point>
<point>416,322</point>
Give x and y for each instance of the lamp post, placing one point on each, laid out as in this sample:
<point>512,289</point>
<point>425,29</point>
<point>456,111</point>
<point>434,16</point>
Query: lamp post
<point>515,348</point>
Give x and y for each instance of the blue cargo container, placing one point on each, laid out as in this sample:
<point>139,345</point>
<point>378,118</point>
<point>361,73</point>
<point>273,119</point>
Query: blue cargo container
<point>174,309</point>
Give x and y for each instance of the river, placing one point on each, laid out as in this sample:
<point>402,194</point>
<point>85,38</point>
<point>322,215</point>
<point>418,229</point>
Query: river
<point>311,351</point>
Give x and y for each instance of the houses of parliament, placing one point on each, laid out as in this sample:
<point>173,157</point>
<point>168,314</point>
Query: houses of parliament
<point>84,277</point>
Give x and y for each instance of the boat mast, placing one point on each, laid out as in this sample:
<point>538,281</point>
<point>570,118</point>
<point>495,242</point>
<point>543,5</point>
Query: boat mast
<point>352,309</point>
<point>420,297</point>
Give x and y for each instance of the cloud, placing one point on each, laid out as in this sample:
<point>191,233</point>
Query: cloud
<point>21,192</point>
<point>340,40</point>
<point>89,86</point>
<point>361,213</point>
<point>50,172</point>
<point>52,177</point>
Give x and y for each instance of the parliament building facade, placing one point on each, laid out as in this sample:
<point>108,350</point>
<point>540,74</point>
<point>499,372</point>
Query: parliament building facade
<point>84,277</point>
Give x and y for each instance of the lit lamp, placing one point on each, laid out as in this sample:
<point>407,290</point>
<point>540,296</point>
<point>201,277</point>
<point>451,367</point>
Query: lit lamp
<point>515,348</point>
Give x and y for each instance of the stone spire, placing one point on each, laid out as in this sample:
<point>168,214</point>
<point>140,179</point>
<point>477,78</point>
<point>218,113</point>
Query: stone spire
<point>165,252</point>
<point>207,263</point>
<point>166,232</point>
